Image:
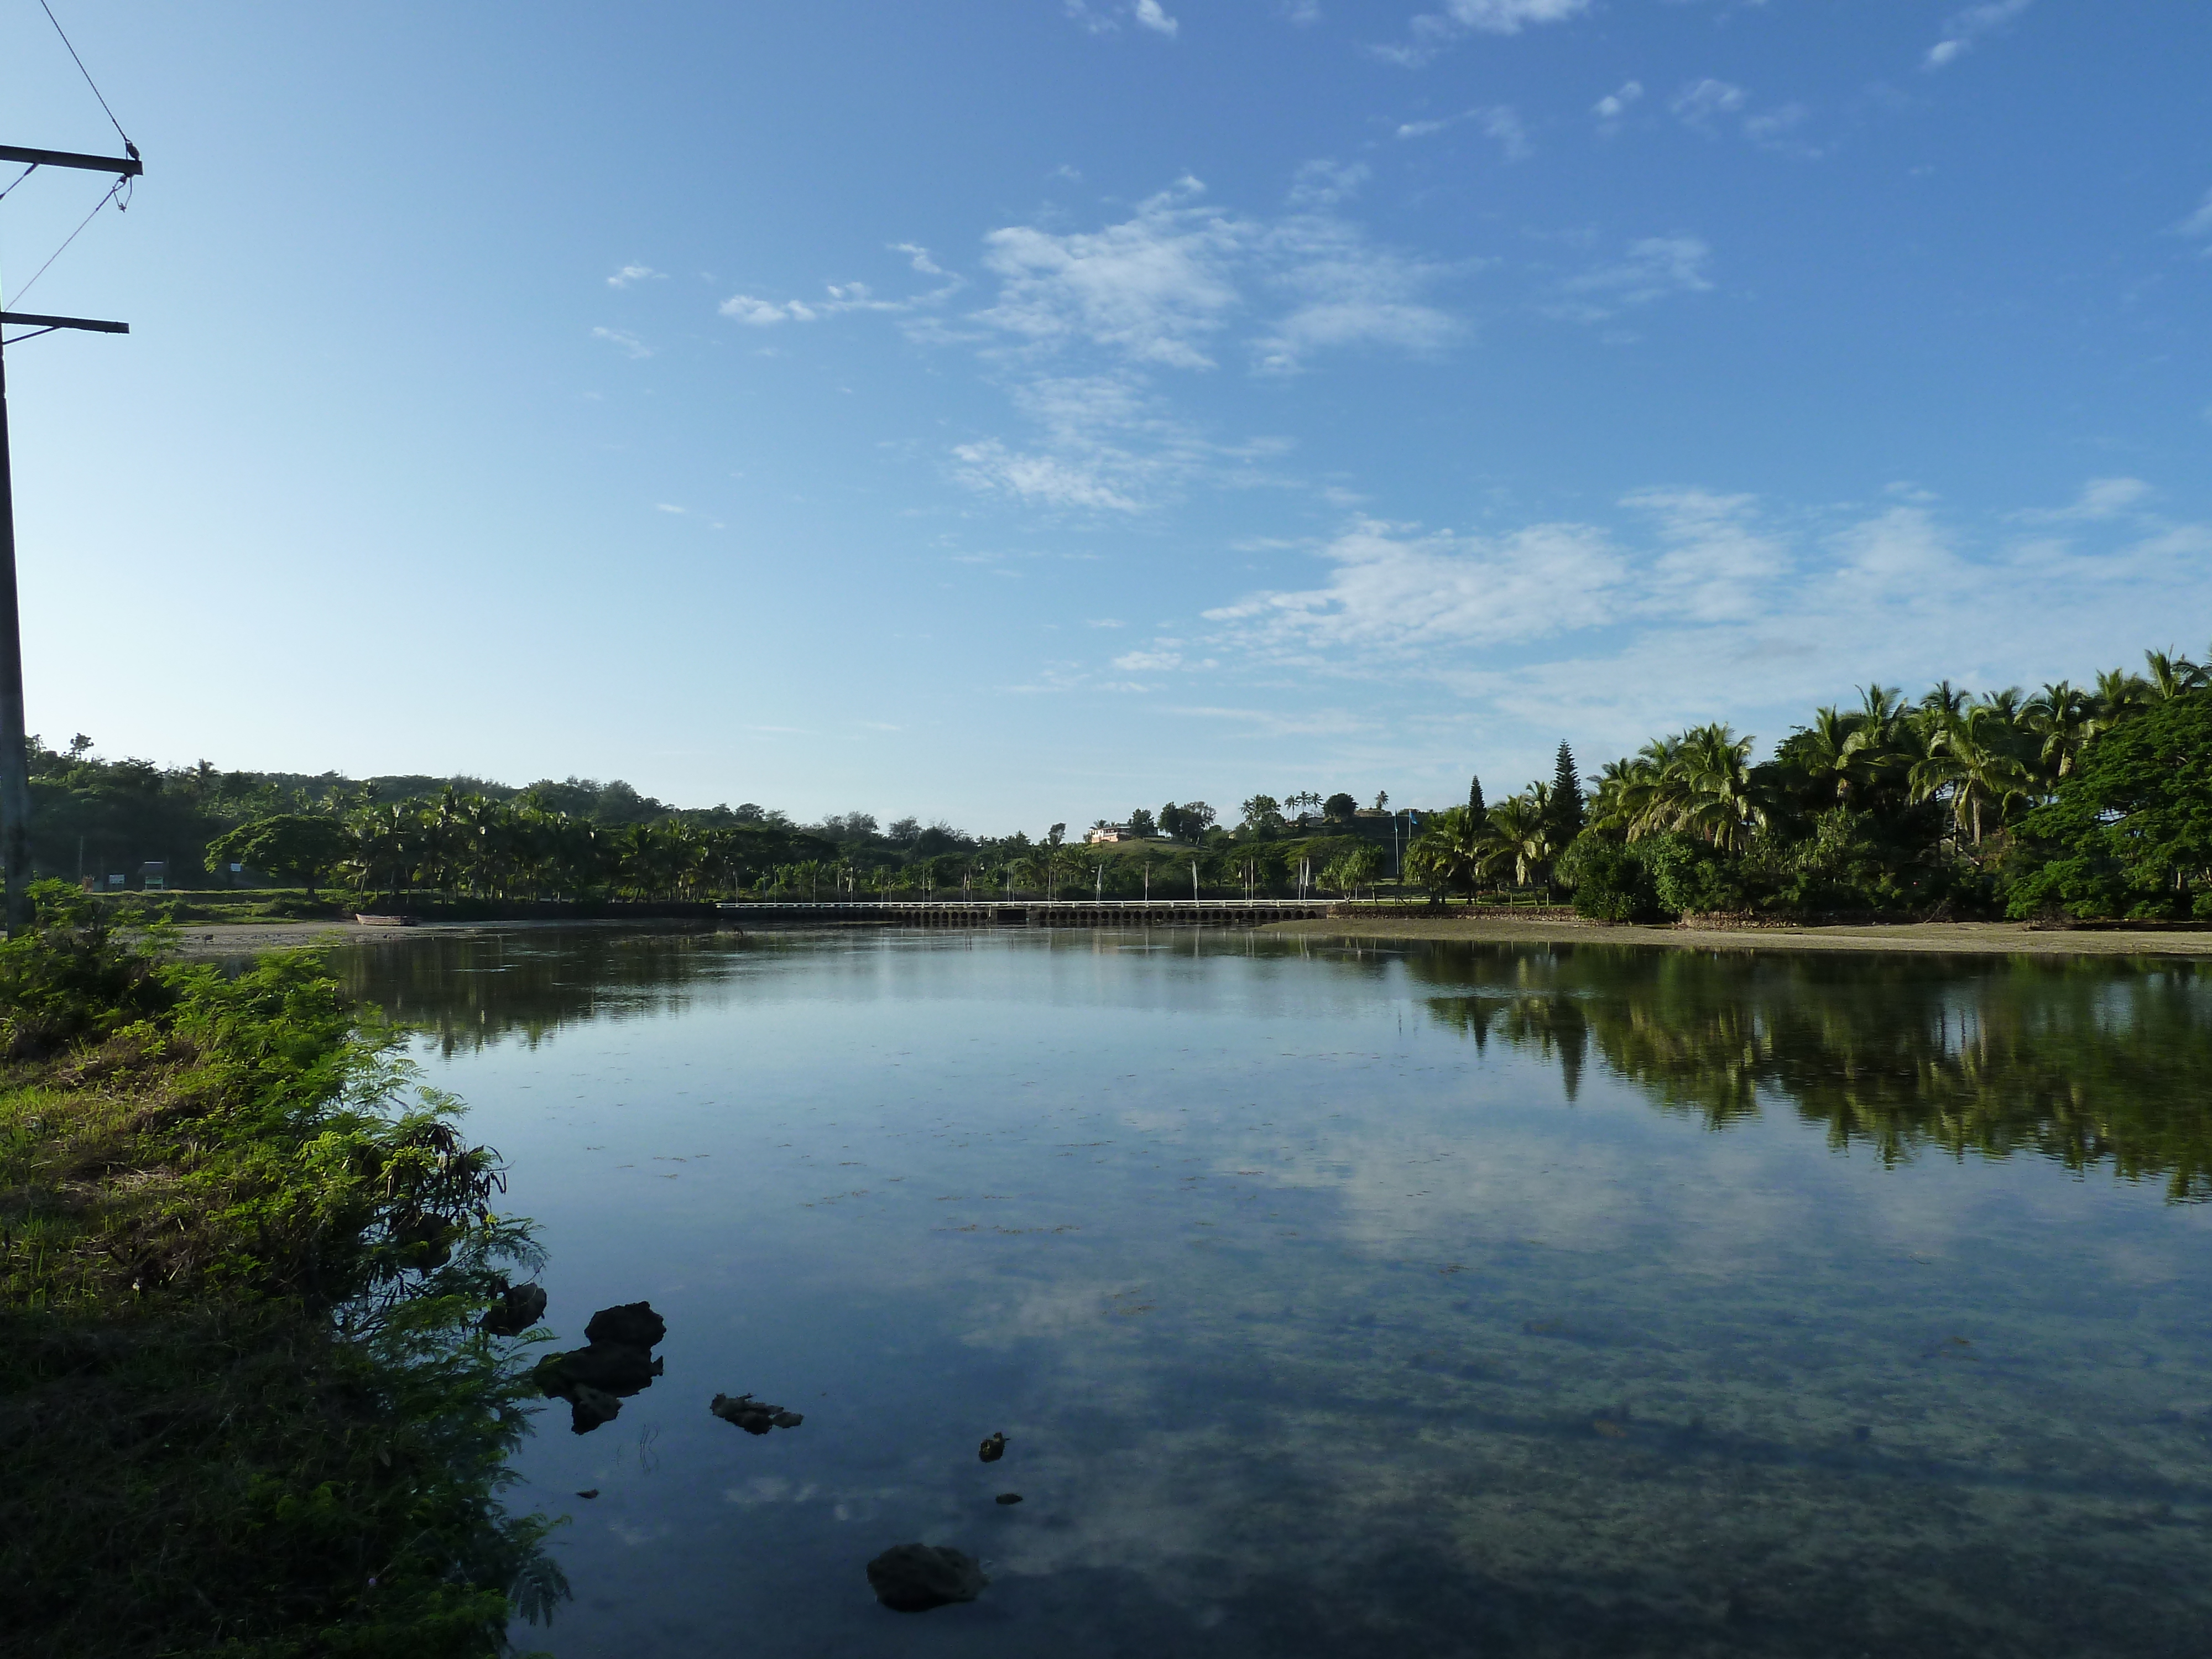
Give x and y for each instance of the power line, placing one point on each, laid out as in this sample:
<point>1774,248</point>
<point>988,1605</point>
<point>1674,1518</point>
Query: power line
<point>20,177</point>
<point>72,236</point>
<point>130,147</point>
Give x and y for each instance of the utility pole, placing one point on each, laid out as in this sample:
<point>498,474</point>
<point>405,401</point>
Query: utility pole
<point>14,761</point>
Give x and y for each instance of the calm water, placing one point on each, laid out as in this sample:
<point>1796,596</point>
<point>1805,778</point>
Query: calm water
<point>1342,1302</point>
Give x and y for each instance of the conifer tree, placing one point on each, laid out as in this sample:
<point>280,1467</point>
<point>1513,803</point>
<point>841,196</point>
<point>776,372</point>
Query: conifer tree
<point>1568,814</point>
<point>1475,809</point>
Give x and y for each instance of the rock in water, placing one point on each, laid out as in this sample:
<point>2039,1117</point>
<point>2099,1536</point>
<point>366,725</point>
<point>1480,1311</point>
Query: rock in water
<point>993,1450</point>
<point>632,1325</point>
<point>518,1308</point>
<point>916,1577</point>
<point>608,1365</point>
<point>753,1416</point>
<point>588,1408</point>
<point>1007,1497</point>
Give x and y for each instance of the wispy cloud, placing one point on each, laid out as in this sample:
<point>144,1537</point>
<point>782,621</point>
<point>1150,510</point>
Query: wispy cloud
<point>1701,605</point>
<point>1155,287</point>
<point>1498,121</point>
<point>1615,104</point>
<point>629,274</point>
<point>1432,32</point>
<point>1044,480</point>
<point>1161,286</point>
<point>2199,223</point>
<point>1655,268</point>
<point>2099,498</point>
<point>1324,183</point>
<point>1701,103</point>
<point>630,342</point>
<point>1718,565</point>
<point>1392,591</point>
<point>1101,443</point>
<point>1963,30</point>
<point>1106,18</point>
<point>1347,291</point>
<point>838,298</point>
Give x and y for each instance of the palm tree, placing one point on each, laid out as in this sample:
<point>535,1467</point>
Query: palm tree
<point>1833,753</point>
<point>1448,853</point>
<point>1968,764</point>
<point>2061,717</point>
<point>2172,675</point>
<point>1519,832</point>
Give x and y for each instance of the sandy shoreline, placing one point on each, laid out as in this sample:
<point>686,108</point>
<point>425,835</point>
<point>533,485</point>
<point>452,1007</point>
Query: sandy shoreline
<point>231,938</point>
<point>1954,938</point>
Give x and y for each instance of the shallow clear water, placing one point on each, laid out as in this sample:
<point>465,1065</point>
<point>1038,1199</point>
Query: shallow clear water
<point>1347,1301</point>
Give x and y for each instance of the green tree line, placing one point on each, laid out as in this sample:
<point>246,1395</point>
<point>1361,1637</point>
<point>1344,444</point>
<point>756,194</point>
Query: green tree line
<point>2091,801</point>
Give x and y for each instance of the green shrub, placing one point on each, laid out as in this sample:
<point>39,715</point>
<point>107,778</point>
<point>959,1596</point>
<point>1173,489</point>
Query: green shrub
<point>1609,880</point>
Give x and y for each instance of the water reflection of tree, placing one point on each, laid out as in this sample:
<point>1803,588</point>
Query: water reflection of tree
<point>471,991</point>
<point>2086,1062</point>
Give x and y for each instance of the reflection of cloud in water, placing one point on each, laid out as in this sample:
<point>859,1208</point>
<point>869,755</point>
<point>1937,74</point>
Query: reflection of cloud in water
<point>1776,1376</point>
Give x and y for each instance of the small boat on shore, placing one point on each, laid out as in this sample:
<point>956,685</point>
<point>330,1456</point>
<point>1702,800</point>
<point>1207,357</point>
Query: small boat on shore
<point>369,920</point>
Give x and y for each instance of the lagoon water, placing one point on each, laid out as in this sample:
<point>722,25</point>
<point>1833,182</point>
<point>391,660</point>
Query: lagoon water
<point>1347,1300</point>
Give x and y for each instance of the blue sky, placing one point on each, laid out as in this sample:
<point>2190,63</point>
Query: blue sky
<point>1017,412</point>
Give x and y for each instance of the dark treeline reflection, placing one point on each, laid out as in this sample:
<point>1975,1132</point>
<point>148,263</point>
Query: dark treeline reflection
<point>2088,1061</point>
<point>469,990</point>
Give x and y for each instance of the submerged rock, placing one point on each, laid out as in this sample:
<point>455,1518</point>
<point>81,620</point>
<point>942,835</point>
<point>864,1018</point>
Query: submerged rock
<point>753,1416</point>
<point>605,1365</point>
<point>1007,1497</point>
<point>588,1408</point>
<point>993,1448</point>
<point>618,1361</point>
<point>518,1308</point>
<point>916,1577</point>
<point>632,1325</point>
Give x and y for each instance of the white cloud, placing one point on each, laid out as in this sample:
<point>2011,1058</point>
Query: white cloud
<point>1393,592</point>
<point>1962,30</point>
<point>1347,292</point>
<point>1498,121</point>
<point>838,298</point>
<point>1701,102</point>
<point>1615,105</point>
<point>1432,32</point>
<point>1720,610</point>
<point>1324,183</point>
<point>628,342</point>
<point>1163,654</point>
<point>1655,268</point>
<point>1158,287</point>
<point>629,274</point>
<point>2099,498</point>
<point>1040,480</point>
<point>1506,16</point>
<point>1303,14</point>
<point>1716,565</point>
<point>766,313</point>
<point>1153,287</point>
<point>2199,223</point>
<point>1104,19</point>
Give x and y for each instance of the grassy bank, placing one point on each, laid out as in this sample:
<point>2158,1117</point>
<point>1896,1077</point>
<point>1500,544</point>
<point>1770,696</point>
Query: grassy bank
<point>246,1406</point>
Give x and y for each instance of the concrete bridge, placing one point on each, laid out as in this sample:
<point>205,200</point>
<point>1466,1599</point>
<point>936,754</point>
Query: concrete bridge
<point>1026,913</point>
